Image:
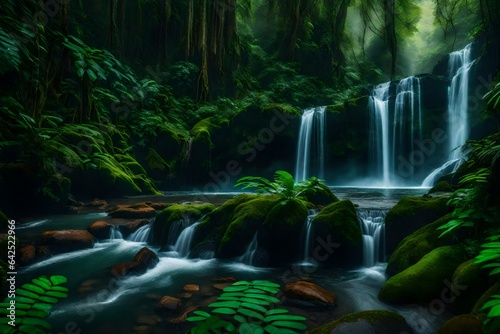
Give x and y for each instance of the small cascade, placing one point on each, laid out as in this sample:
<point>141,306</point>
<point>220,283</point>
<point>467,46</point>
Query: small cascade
<point>177,228</point>
<point>372,228</point>
<point>142,234</point>
<point>183,243</point>
<point>308,232</point>
<point>459,66</point>
<point>395,125</point>
<point>311,145</point>
<point>114,233</point>
<point>248,257</point>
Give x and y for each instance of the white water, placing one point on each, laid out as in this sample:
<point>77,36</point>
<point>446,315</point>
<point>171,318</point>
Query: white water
<point>142,234</point>
<point>114,233</point>
<point>183,244</point>
<point>248,257</point>
<point>310,147</point>
<point>459,66</point>
<point>372,228</point>
<point>176,229</point>
<point>308,231</point>
<point>394,127</point>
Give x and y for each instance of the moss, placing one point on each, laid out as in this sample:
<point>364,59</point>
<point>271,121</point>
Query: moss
<point>246,220</point>
<point>412,248</point>
<point>3,221</point>
<point>174,213</point>
<point>470,275</point>
<point>424,280</point>
<point>337,108</point>
<point>281,232</point>
<point>201,130</point>
<point>283,108</point>
<point>338,223</point>
<point>410,214</point>
<point>322,196</point>
<point>462,324</point>
<point>441,186</point>
<point>358,101</point>
<point>373,321</point>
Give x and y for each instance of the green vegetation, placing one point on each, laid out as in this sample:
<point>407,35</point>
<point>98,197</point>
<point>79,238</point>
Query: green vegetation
<point>33,303</point>
<point>247,307</point>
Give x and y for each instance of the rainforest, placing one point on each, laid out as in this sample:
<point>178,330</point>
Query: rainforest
<point>250,166</point>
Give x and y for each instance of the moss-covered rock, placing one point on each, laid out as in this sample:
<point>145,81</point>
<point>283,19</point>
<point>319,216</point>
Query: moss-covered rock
<point>246,220</point>
<point>321,196</point>
<point>424,280</point>
<point>475,281</point>
<point>412,248</point>
<point>175,213</point>
<point>337,234</point>
<point>410,214</point>
<point>493,290</point>
<point>373,322</point>
<point>441,186</point>
<point>462,324</point>
<point>280,235</point>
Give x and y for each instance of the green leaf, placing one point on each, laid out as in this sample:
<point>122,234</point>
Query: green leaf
<point>263,297</point>
<point>196,318</point>
<point>240,319</point>
<point>41,284</point>
<point>255,301</point>
<point>91,74</point>
<point>230,304</point>
<point>285,317</point>
<point>290,324</point>
<point>266,283</point>
<point>56,294</point>
<point>33,288</point>
<point>30,329</point>
<point>224,310</point>
<point>50,300</point>
<point>233,288</point>
<point>37,313</point>
<point>80,72</point>
<point>202,313</point>
<point>254,307</point>
<point>276,311</point>
<point>274,330</point>
<point>58,280</point>
<point>6,329</point>
<point>250,313</point>
<point>249,328</point>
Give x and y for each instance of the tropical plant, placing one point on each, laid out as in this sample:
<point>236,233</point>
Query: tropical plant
<point>247,307</point>
<point>283,185</point>
<point>33,303</point>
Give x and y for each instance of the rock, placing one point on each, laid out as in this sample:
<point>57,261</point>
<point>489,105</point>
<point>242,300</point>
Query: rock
<point>410,214</point>
<point>97,203</point>
<point>302,291</point>
<point>100,230</point>
<point>168,304</point>
<point>221,286</point>
<point>441,186</point>
<point>191,287</point>
<point>183,316</point>
<point>27,255</point>
<point>126,269</point>
<point>228,279</point>
<point>144,259</point>
<point>366,322</point>
<point>282,232</point>
<point>135,211</point>
<point>322,196</point>
<point>412,248</point>
<point>337,235</point>
<point>462,324</point>
<point>426,279</point>
<point>132,226</point>
<point>185,295</point>
<point>157,205</point>
<point>471,276</point>
<point>486,297</point>
<point>66,240</point>
<point>177,213</point>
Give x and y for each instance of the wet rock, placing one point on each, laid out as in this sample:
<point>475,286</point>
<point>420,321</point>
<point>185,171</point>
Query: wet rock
<point>127,268</point>
<point>97,203</point>
<point>157,205</point>
<point>27,255</point>
<point>135,211</point>
<point>168,304</point>
<point>183,316</point>
<point>191,287</point>
<point>228,279</point>
<point>307,292</point>
<point>66,240</point>
<point>144,259</point>
<point>462,324</point>
<point>185,295</point>
<point>100,229</point>
<point>221,286</point>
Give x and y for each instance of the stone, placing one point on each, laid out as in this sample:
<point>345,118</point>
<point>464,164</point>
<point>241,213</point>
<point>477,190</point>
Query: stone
<point>462,324</point>
<point>191,287</point>
<point>66,240</point>
<point>97,203</point>
<point>169,304</point>
<point>27,255</point>
<point>100,229</point>
<point>135,211</point>
<point>309,292</point>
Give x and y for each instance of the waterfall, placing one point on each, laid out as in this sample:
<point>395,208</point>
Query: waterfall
<point>310,148</point>
<point>459,66</point>
<point>142,234</point>
<point>308,231</point>
<point>395,125</point>
<point>114,233</point>
<point>248,257</point>
<point>183,244</point>
<point>372,228</point>
<point>177,228</point>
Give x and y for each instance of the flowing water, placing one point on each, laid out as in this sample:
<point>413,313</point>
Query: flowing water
<point>142,234</point>
<point>183,244</point>
<point>249,255</point>
<point>372,228</point>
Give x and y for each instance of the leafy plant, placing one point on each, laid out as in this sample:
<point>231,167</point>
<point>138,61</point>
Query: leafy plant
<point>283,185</point>
<point>248,307</point>
<point>492,320</point>
<point>33,303</point>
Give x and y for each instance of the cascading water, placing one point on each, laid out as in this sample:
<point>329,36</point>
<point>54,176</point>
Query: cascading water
<point>458,120</point>
<point>114,233</point>
<point>394,128</point>
<point>183,244</point>
<point>308,232</point>
<point>248,257</point>
<point>142,234</point>
<point>177,228</point>
<point>372,228</point>
<point>310,148</point>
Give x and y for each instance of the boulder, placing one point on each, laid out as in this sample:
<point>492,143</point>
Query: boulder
<point>144,259</point>
<point>176,214</point>
<point>476,282</point>
<point>410,214</point>
<point>310,293</point>
<point>168,304</point>
<point>337,235</point>
<point>191,287</point>
<point>97,203</point>
<point>27,255</point>
<point>462,324</point>
<point>412,248</point>
<point>100,230</point>
<point>441,187</point>
<point>126,269</point>
<point>66,240</point>
<point>135,211</point>
<point>366,322</point>
<point>426,279</point>
<point>322,196</point>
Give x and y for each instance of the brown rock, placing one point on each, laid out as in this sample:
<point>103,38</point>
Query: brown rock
<point>157,205</point>
<point>127,268</point>
<point>100,229</point>
<point>191,287</point>
<point>462,324</point>
<point>27,255</point>
<point>308,292</point>
<point>134,225</point>
<point>135,211</point>
<point>97,202</point>
<point>169,304</point>
<point>221,286</point>
<point>228,279</point>
<point>146,258</point>
<point>66,240</point>
<point>185,295</point>
<point>183,316</point>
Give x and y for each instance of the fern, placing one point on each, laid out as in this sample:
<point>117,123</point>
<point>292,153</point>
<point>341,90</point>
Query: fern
<point>33,303</point>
